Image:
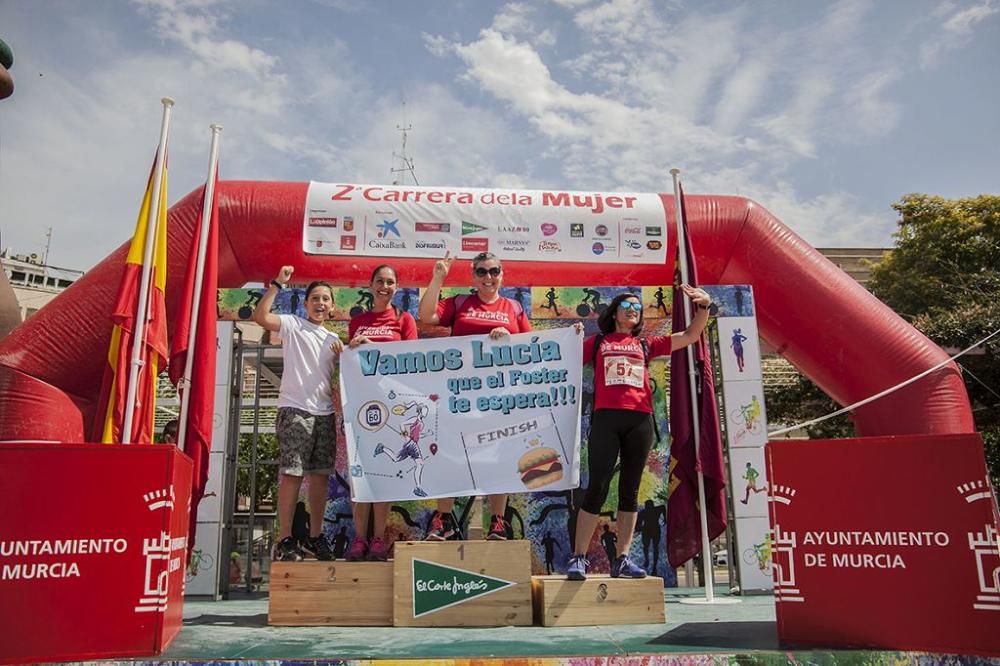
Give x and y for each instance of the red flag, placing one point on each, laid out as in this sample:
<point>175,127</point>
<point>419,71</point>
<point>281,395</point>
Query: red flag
<point>110,415</point>
<point>683,521</point>
<point>201,406</point>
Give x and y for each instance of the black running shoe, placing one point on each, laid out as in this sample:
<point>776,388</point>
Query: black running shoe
<point>318,547</point>
<point>442,527</point>
<point>287,550</point>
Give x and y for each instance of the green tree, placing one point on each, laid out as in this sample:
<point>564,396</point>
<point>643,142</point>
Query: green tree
<point>944,278</point>
<point>267,472</point>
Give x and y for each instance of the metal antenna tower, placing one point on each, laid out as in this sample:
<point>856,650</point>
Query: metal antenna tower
<point>402,163</point>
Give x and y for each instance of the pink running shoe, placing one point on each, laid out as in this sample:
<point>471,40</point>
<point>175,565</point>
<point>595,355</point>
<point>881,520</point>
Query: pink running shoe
<point>356,553</point>
<point>377,551</point>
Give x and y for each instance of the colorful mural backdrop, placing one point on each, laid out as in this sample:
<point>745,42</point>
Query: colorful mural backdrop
<point>547,519</point>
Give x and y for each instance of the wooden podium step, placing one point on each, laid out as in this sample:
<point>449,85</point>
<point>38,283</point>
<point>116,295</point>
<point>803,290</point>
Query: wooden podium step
<point>462,584</point>
<point>598,600</point>
<point>338,593</point>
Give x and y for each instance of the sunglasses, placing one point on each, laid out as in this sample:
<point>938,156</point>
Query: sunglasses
<point>630,305</point>
<point>492,272</point>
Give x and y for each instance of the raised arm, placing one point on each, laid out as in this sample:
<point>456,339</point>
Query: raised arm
<point>427,310</point>
<point>701,298</point>
<point>262,313</point>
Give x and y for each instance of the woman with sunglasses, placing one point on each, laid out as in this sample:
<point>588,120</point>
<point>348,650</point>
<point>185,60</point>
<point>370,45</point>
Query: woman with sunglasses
<point>622,422</point>
<point>481,313</point>
<point>383,323</point>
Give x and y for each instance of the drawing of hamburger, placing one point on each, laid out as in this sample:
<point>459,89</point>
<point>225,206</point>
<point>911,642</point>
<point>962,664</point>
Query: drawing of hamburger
<point>539,467</point>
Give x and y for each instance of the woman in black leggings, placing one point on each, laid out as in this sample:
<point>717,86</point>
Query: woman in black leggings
<point>622,421</point>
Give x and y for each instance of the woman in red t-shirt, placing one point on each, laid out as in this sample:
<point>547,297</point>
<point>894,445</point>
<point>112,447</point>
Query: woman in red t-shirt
<point>485,312</point>
<point>383,323</point>
<point>621,425</point>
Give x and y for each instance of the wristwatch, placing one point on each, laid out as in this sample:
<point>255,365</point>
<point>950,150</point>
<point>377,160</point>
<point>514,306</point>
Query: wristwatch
<point>278,285</point>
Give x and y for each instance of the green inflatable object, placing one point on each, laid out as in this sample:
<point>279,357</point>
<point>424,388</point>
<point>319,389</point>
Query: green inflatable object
<point>6,55</point>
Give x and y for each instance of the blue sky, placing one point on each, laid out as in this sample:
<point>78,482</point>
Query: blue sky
<point>824,113</point>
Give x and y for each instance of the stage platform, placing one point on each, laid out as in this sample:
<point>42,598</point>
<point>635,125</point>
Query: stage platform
<point>236,631</point>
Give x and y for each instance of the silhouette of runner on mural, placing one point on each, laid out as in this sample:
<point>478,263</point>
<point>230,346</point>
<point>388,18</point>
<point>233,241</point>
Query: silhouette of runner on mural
<point>340,543</point>
<point>591,302</point>
<point>751,476</point>
<point>300,523</point>
<point>648,524</point>
<point>738,296</point>
<point>404,301</point>
<point>737,345</point>
<point>609,540</point>
<point>246,310</point>
<point>519,293</point>
<point>550,545</point>
<point>660,304</point>
<point>552,304</point>
<point>365,302</point>
<point>294,302</point>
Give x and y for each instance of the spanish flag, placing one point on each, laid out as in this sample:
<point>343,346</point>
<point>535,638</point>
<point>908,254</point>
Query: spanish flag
<point>153,353</point>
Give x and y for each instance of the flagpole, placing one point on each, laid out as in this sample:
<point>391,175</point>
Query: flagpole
<point>142,311</point>
<point>206,220</point>
<point>706,555</point>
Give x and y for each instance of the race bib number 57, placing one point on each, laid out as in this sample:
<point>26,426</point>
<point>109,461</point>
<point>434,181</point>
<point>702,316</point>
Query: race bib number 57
<point>620,370</point>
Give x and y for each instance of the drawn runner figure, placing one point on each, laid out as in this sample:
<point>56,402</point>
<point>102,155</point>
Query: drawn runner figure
<point>751,476</point>
<point>737,345</point>
<point>751,412</point>
<point>415,413</point>
<point>660,304</point>
<point>552,304</point>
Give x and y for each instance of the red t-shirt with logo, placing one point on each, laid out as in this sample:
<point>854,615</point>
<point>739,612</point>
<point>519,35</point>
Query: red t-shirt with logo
<point>473,317</point>
<point>621,378</point>
<point>383,326</point>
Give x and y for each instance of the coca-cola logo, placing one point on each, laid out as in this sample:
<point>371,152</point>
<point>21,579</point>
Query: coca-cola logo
<point>632,230</point>
<point>549,246</point>
<point>548,228</point>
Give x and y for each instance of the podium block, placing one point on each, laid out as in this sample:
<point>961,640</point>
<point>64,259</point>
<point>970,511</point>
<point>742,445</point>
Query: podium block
<point>462,584</point>
<point>107,530</point>
<point>598,600</point>
<point>346,594</point>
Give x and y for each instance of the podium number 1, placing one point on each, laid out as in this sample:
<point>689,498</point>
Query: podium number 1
<point>461,552</point>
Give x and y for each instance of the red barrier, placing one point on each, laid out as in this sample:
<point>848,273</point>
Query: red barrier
<point>92,550</point>
<point>885,542</point>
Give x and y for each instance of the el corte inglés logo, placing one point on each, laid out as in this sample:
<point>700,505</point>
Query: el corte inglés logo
<point>437,586</point>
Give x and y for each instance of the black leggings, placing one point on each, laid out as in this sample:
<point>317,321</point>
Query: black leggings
<point>614,433</point>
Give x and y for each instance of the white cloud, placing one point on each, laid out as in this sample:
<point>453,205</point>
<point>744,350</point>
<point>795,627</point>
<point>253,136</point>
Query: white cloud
<point>868,106</point>
<point>956,31</point>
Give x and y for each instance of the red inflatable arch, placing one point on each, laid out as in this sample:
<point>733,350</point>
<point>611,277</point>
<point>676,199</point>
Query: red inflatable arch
<point>828,326</point>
